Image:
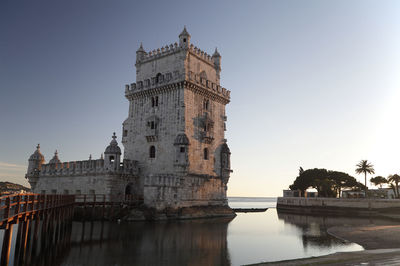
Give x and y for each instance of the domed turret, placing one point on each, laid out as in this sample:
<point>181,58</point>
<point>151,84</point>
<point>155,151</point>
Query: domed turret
<point>140,53</point>
<point>225,162</point>
<point>112,155</point>
<point>35,161</point>
<point>113,147</point>
<point>184,38</point>
<point>55,158</point>
<point>216,57</point>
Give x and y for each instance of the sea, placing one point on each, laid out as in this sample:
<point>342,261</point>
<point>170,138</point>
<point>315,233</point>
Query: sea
<point>248,238</point>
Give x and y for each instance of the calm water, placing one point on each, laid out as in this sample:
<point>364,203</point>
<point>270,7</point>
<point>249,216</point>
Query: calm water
<point>248,238</point>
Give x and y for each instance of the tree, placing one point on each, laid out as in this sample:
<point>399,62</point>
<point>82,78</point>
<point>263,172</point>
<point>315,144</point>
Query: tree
<point>378,180</point>
<point>342,180</point>
<point>364,167</point>
<point>327,183</point>
<point>394,180</point>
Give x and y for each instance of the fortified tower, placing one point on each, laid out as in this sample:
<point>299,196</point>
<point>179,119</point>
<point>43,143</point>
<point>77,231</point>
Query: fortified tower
<point>176,126</point>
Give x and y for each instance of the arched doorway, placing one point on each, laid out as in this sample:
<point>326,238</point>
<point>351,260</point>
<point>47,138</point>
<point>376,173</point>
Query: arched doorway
<point>129,189</point>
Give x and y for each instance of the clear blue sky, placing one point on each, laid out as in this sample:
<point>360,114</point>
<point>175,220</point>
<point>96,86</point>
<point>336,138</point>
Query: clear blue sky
<point>313,83</point>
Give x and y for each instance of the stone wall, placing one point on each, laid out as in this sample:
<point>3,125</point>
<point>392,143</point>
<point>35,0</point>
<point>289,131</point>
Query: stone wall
<point>173,191</point>
<point>169,117</point>
<point>368,204</point>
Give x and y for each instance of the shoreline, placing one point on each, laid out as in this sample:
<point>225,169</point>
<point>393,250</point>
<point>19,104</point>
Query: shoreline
<point>381,244</point>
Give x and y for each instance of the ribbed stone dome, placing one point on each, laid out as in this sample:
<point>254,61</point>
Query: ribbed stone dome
<point>225,148</point>
<point>55,159</point>
<point>37,155</point>
<point>181,139</point>
<point>113,147</point>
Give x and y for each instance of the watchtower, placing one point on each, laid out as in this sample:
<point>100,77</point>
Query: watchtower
<point>176,125</point>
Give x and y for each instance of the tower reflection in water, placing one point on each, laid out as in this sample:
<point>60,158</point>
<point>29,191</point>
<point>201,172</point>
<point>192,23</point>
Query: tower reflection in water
<point>194,242</point>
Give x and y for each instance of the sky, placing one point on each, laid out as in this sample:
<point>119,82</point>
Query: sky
<point>314,84</point>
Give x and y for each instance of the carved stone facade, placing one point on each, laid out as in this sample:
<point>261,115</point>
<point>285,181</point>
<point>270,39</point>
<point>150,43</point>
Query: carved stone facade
<point>174,145</point>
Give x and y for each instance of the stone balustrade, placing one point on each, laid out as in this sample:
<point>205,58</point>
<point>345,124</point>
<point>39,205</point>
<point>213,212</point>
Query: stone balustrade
<point>88,167</point>
<point>173,48</point>
<point>168,79</point>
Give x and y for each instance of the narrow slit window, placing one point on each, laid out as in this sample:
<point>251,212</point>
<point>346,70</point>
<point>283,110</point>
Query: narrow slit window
<point>205,154</point>
<point>152,152</point>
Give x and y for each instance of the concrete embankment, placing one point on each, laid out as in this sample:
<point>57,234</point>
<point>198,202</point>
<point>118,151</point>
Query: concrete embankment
<point>388,208</point>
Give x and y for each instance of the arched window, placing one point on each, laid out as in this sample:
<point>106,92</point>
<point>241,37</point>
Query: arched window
<point>129,189</point>
<point>152,152</point>
<point>205,154</point>
<point>158,78</point>
<point>111,159</point>
<point>154,101</point>
<point>206,104</point>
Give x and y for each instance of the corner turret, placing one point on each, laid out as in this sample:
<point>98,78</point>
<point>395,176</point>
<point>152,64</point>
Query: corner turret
<point>216,57</point>
<point>35,162</point>
<point>184,38</point>
<point>55,159</point>
<point>140,53</point>
<point>112,155</point>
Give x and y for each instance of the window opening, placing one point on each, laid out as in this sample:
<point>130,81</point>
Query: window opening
<point>152,152</point>
<point>205,154</point>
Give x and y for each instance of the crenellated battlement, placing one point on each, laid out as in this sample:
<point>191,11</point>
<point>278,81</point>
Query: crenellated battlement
<point>201,54</point>
<point>172,49</point>
<point>168,78</point>
<point>87,167</point>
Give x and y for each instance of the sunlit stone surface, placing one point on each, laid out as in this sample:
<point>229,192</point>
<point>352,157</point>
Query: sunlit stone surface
<point>175,153</point>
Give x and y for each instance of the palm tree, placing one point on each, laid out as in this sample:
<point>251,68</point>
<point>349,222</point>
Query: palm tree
<point>395,180</point>
<point>364,167</point>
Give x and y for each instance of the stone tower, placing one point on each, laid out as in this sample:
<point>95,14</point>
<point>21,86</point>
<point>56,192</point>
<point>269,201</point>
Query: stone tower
<point>176,125</point>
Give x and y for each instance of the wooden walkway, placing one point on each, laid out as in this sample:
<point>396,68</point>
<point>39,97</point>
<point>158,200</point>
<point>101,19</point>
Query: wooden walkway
<point>46,219</point>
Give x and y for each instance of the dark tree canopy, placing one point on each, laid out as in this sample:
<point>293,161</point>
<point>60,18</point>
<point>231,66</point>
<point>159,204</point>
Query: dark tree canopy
<point>327,183</point>
<point>378,180</point>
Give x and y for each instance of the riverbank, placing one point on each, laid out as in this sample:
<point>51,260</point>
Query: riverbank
<point>385,208</point>
<point>366,257</point>
<point>382,244</point>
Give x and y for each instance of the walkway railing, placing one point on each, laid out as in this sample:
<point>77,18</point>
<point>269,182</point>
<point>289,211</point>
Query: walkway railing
<point>17,207</point>
<point>51,216</point>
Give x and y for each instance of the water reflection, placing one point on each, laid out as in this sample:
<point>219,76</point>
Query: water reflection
<point>196,242</point>
<point>248,238</point>
<point>314,228</point>
<point>258,237</point>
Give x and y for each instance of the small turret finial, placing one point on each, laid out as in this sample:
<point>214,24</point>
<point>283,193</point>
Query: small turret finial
<point>114,137</point>
<point>101,156</point>
<point>56,153</point>
<point>141,47</point>
<point>216,54</point>
<point>90,157</point>
<point>38,147</point>
<point>184,32</point>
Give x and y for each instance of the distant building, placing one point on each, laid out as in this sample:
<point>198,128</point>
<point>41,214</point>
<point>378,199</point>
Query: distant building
<point>352,194</point>
<point>297,193</point>
<point>176,154</point>
<point>380,193</point>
